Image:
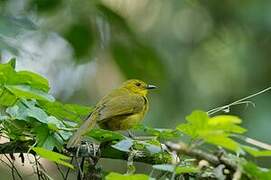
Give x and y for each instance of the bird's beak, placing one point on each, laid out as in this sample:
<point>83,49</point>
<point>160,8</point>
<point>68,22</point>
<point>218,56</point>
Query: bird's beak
<point>151,87</point>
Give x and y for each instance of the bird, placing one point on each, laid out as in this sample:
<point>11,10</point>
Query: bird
<point>121,109</point>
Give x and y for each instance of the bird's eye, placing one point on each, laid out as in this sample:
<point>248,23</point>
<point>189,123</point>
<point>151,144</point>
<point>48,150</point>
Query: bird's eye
<point>138,84</point>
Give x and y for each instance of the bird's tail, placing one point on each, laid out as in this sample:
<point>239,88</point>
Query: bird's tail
<point>83,129</point>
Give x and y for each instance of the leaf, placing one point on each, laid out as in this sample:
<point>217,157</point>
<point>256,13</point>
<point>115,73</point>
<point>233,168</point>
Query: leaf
<point>123,145</point>
<point>257,153</point>
<point>164,134</point>
<point>49,143</point>
<point>8,76</point>
<point>18,111</point>
<point>102,135</point>
<point>186,169</point>
<point>255,172</point>
<point>72,112</point>
<point>42,133</point>
<point>216,130</point>
<point>24,91</point>
<point>24,109</point>
<point>226,123</point>
<point>7,98</point>
<point>117,176</point>
<point>53,156</point>
<point>32,79</point>
<point>12,62</point>
<point>223,141</point>
<point>51,120</point>
<point>178,170</point>
<point>198,119</point>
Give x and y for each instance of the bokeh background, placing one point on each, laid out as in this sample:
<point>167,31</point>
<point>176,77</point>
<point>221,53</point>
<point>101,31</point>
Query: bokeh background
<point>201,53</point>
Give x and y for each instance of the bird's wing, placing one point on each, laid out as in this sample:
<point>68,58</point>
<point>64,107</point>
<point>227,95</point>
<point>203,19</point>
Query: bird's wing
<point>121,105</point>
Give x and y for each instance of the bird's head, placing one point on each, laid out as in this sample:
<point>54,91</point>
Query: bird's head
<point>138,86</point>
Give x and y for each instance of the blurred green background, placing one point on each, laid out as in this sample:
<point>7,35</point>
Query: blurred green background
<point>202,54</point>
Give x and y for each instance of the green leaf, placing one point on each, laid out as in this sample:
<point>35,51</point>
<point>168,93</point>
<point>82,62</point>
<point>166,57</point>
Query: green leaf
<point>178,170</point>
<point>123,145</point>
<point>223,141</point>
<point>61,111</point>
<point>8,76</point>
<point>24,91</point>
<point>255,172</point>
<point>54,121</point>
<point>117,176</point>
<point>49,143</point>
<point>198,119</point>
<point>18,111</point>
<point>7,98</point>
<point>32,79</point>
<point>24,109</point>
<point>216,130</point>
<point>42,133</point>
<point>12,62</point>
<point>257,153</point>
<point>53,156</point>
<point>226,123</point>
<point>159,133</point>
<point>102,135</point>
<point>186,169</point>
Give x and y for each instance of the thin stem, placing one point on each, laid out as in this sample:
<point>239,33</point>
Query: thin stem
<point>68,171</point>
<point>13,167</point>
<point>37,167</point>
<point>238,102</point>
<point>60,171</point>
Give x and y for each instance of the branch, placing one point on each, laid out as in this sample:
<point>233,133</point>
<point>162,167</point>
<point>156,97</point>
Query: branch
<point>199,154</point>
<point>106,151</point>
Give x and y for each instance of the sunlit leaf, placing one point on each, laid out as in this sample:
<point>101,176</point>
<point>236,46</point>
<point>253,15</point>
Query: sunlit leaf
<point>215,130</point>
<point>7,98</point>
<point>256,152</point>
<point>223,141</point>
<point>178,170</point>
<point>53,156</point>
<point>255,172</point>
<point>117,176</point>
<point>27,92</point>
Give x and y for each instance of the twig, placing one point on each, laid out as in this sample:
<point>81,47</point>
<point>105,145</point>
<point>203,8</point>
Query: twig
<point>13,167</point>
<point>60,171</point>
<point>37,167</point>
<point>13,177</point>
<point>68,171</point>
<point>240,101</point>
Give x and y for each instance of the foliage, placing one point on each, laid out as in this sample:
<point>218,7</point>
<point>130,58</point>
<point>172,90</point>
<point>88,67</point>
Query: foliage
<point>29,112</point>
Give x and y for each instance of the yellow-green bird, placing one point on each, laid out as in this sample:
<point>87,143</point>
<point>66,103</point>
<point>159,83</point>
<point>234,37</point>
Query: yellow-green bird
<point>121,109</point>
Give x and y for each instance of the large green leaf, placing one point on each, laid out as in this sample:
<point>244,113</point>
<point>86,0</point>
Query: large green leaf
<point>255,172</point>
<point>7,98</point>
<point>8,76</point>
<point>53,156</point>
<point>216,130</point>
<point>256,152</point>
<point>72,112</point>
<point>24,91</point>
